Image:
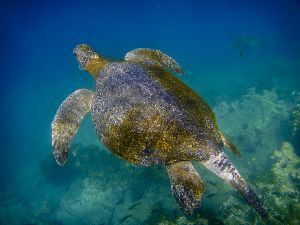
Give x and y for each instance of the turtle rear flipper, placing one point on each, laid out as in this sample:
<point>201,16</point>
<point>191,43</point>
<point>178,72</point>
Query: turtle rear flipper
<point>67,120</point>
<point>186,185</point>
<point>221,166</point>
<point>154,57</point>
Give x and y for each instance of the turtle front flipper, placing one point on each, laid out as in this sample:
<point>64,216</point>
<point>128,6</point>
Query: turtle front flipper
<point>67,120</point>
<point>154,57</point>
<point>186,185</point>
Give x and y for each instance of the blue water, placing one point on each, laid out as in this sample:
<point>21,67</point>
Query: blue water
<point>242,57</point>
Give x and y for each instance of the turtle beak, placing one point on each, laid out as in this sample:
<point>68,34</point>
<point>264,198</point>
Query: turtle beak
<point>83,53</point>
<point>89,60</point>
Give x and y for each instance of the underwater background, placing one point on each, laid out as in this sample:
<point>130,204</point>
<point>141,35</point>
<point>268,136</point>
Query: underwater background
<point>243,57</point>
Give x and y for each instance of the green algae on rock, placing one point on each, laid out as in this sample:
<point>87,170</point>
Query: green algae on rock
<point>281,187</point>
<point>257,123</point>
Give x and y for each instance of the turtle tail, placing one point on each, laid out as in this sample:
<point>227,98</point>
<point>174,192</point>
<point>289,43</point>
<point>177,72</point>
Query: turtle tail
<point>223,167</point>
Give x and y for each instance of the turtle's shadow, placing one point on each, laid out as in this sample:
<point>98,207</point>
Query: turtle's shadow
<point>83,162</point>
<point>57,175</point>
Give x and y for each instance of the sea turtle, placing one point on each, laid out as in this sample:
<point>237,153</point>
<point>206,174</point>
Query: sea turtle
<point>145,115</point>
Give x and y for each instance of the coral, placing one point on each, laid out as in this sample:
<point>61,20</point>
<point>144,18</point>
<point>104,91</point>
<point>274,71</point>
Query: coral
<point>86,202</point>
<point>286,167</point>
<point>234,212</point>
<point>163,216</point>
<point>253,114</point>
<point>182,220</point>
<point>279,190</point>
<point>296,113</point>
<point>256,124</point>
<point>281,187</point>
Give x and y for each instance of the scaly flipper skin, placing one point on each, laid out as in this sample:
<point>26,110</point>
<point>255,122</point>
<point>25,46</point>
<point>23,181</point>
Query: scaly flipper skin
<point>223,168</point>
<point>186,185</point>
<point>155,57</point>
<point>67,120</point>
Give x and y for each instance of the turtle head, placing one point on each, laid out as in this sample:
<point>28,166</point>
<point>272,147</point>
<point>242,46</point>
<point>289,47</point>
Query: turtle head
<point>89,59</point>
